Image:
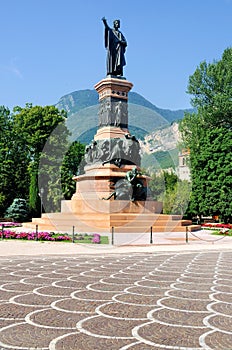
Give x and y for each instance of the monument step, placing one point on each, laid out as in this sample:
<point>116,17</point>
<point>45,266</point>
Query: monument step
<point>103,221</point>
<point>149,218</point>
<point>142,223</point>
<point>113,216</point>
<point>141,230</point>
<point>192,228</point>
<point>84,228</point>
<point>96,224</point>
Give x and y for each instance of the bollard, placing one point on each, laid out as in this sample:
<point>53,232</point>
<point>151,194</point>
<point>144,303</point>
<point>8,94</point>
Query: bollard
<point>112,235</point>
<point>186,235</point>
<point>2,231</point>
<point>73,234</point>
<point>151,240</point>
<point>36,232</point>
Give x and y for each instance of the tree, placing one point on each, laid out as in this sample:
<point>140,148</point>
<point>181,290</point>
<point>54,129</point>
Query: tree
<point>208,135</point>
<point>5,161</point>
<point>35,125</point>
<point>70,167</point>
<point>176,199</point>
<point>14,162</point>
<point>36,157</point>
<point>18,210</point>
<point>157,186</point>
<point>161,183</point>
<point>174,193</point>
<point>211,175</point>
<point>211,88</point>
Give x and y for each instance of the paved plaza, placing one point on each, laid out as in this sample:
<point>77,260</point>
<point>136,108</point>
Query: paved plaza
<point>130,300</point>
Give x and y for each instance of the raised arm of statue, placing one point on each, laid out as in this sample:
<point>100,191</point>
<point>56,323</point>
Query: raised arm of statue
<point>105,22</point>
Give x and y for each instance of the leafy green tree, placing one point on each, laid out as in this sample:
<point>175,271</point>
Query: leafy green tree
<point>208,135</point>
<point>211,88</point>
<point>14,162</point>
<point>36,159</point>
<point>34,199</point>
<point>174,193</point>
<point>6,177</point>
<point>157,186</point>
<point>171,179</point>
<point>49,175</point>
<point>59,162</point>
<point>161,183</point>
<point>211,175</point>
<point>70,167</point>
<point>176,199</point>
<point>36,124</point>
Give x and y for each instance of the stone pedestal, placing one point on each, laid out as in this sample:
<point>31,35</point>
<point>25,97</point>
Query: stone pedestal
<point>113,98</point>
<point>111,155</point>
<point>114,151</point>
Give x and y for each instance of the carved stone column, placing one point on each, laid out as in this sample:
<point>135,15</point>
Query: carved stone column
<point>113,99</point>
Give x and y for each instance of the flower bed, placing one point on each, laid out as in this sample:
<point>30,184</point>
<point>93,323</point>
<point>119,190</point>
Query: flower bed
<point>40,236</point>
<point>215,225</point>
<point>10,224</point>
<point>49,236</point>
<point>219,228</point>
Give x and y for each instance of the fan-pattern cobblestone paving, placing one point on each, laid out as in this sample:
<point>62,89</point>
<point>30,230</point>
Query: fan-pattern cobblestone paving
<point>137,301</point>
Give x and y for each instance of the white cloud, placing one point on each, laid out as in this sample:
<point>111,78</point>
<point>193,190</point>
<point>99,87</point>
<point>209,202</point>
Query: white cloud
<point>16,71</point>
<point>12,68</point>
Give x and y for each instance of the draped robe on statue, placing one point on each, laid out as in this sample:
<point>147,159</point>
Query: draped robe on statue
<point>115,51</point>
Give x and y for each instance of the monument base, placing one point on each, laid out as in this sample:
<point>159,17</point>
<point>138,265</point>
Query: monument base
<point>101,216</point>
<point>99,180</point>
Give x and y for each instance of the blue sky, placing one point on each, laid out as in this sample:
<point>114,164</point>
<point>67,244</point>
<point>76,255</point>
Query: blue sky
<point>50,48</point>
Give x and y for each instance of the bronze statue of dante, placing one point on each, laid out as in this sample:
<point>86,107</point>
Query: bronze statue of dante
<point>115,43</point>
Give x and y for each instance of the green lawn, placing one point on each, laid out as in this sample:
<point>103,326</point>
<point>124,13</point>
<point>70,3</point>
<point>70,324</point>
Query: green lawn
<point>221,233</point>
<point>87,238</point>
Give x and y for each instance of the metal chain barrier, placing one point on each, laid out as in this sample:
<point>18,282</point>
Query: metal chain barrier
<point>209,240</point>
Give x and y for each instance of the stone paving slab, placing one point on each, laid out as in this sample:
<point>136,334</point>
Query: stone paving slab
<point>136,301</point>
<point>173,241</point>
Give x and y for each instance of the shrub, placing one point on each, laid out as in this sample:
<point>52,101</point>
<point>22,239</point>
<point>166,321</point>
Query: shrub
<point>96,238</point>
<point>18,210</point>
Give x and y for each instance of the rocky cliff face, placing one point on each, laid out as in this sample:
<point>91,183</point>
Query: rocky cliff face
<point>164,139</point>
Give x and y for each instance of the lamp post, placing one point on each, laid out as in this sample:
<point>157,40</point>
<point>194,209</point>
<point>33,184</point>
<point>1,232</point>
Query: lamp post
<point>41,200</point>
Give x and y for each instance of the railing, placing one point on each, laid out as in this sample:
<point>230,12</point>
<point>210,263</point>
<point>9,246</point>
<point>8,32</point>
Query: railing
<point>188,232</point>
<point>202,239</point>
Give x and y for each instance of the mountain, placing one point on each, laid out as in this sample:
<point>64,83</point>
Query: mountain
<point>81,99</point>
<point>78,100</point>
<point>164,139</point>
<point>160,160</point>
<point>167,114</point>
<point>142,120</point>
<point>156,128</point>
<point>144,117</point>
<point>160,148</point>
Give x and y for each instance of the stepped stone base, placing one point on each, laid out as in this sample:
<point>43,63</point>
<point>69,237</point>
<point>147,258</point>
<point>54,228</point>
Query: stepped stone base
<point>100,216</point>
